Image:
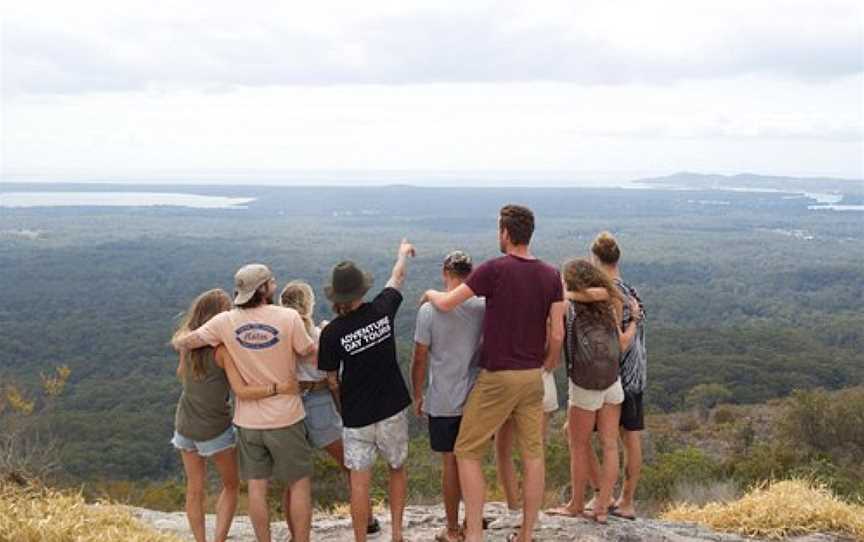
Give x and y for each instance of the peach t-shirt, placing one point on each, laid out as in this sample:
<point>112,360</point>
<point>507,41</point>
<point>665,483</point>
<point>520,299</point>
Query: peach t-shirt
<point>263,342</point>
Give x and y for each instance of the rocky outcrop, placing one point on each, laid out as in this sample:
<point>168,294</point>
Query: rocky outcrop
<point>423,522</point>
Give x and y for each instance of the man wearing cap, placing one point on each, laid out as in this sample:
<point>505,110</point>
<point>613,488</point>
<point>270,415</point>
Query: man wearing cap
<point>264,341</point>
<point>448,344</point>
<point>361,343</point>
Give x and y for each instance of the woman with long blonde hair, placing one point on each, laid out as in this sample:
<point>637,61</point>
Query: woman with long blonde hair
<point>323,421</point>
<point>202,421</point>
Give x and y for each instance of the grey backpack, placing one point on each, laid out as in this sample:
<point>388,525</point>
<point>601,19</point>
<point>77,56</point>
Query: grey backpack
<point>591,349</point>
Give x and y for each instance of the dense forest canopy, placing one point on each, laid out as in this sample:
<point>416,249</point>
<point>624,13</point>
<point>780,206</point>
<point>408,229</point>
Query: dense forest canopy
<point>749,290</point>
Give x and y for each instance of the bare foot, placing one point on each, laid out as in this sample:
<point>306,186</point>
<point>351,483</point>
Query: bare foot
<point>568,510</point>
<point>624,510</point>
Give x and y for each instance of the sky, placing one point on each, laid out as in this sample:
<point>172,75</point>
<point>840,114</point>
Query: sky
<point>242,91</point>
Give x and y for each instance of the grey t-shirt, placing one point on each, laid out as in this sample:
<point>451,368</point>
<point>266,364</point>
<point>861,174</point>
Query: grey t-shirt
<point>454,341</point>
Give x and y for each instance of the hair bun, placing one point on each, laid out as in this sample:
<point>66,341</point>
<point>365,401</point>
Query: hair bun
<point>605,247</point>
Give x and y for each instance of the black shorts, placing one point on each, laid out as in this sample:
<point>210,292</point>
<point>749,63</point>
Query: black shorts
<point>632,415</point>
<point>443,431</point>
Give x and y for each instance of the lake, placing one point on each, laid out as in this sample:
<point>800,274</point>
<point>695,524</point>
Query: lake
<point>119,199</point>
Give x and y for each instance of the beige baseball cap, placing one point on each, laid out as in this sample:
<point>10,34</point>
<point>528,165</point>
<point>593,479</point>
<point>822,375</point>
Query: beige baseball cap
<point>248,279</point>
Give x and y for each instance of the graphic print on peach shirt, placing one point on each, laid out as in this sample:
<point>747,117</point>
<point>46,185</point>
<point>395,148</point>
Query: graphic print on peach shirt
<point>263,342</point>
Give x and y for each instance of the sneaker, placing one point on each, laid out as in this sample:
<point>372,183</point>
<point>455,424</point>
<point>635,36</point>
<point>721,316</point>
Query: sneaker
<point>374,528</point>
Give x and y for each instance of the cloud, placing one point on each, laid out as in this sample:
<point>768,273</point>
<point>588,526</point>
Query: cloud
<point>98,46</point>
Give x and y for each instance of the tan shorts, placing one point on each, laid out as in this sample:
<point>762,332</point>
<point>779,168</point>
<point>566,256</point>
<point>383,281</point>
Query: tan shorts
<point>497,396</point>
<point>593,400</point>
<point>550,393</point>
<point>280,454</point>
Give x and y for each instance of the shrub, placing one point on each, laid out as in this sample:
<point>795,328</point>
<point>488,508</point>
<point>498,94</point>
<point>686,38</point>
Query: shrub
<point>778,511</point>
<point>668,469</point>
<point>723,415</point>
<point>704,397</point>
<point>34,514</point>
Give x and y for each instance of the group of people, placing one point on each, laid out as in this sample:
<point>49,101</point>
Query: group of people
<point>489,343</point>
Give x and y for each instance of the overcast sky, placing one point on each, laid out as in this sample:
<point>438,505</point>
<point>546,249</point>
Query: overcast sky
<point>205,89</point>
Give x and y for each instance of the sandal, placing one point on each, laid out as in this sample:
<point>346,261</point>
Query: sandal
<point>514,537</point>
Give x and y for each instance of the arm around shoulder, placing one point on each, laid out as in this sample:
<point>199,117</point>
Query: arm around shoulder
<point>447,301</point>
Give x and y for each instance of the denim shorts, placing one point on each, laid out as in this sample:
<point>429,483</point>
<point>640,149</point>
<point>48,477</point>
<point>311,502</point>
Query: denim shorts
<point>323,422</point>
<point>206,448</point>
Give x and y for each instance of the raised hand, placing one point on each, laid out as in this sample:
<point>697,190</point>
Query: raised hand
<point>406,249</point>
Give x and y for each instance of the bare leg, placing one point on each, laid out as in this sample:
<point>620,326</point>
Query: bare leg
<point>196,475</point>
<point>258,512</point>
<point>337,451</point>
<point>607,422</point>
<point>534,471</point>
<point>633,449</point>
<point>226,506</point>
<point>581,424</point>
<point>300,509</point>
<point>547,417</point>
<point>473,493</point>
<point>504,461</point>
<point>286,509</point>
<point>360,481</point>
<point>593,476</point>
<point>397,492</point>
<point>452,490</point>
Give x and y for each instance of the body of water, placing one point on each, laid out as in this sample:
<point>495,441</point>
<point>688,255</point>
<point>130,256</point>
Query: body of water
<point>119,199</point>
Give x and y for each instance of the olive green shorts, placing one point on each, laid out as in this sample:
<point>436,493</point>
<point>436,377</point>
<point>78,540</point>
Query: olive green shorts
<point>280,454</point>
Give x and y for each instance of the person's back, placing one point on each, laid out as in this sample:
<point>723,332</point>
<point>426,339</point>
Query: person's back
<point>454,339</point>
<point>263,342</point>
<point>203,411</point>
<point>634,360</point>
<point>363,343</point>
<point>518,292</point>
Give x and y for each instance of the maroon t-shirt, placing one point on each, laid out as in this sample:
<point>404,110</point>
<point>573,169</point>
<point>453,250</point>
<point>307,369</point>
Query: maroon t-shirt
<point>518,295</point>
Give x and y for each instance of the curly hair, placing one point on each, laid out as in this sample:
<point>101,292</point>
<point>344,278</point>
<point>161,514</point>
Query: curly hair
<point>579,275</point>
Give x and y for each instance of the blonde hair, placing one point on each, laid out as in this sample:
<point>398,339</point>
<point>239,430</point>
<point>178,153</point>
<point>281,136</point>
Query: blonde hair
<point>202,309</point>
<point>299,296</point>
<point>606,248</point>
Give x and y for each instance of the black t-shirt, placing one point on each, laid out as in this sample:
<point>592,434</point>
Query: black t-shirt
<point>363,344</point>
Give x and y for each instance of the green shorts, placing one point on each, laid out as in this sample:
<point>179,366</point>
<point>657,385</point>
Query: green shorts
<point>280,454</point>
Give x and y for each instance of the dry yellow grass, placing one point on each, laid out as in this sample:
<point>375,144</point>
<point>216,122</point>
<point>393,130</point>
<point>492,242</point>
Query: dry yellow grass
<point>44,515</point>
<point>778,510</point>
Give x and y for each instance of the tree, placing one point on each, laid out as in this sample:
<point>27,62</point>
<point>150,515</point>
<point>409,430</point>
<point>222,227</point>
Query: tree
<point>25,450</point>
<point>704,397</point>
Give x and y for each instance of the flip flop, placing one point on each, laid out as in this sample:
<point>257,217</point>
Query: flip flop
<point>617,514</point>
<point>514,537</point>
<point>562,511</point>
